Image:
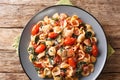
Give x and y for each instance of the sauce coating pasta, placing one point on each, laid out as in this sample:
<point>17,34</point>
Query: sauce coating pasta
<point>63,47</point>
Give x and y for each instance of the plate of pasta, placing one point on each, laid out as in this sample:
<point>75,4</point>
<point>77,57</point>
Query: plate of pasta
<point>63,42</point>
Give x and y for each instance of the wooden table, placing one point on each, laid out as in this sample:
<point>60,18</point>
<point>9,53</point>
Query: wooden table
<point>14,15</point>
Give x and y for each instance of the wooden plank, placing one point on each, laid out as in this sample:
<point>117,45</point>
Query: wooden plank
<point>7,38</point>
<point>28,2</point>
<point>21,11</point>
<point>23,76</point>
<point>9,62</point>
<point>109,76</point>
<point>13,76</point>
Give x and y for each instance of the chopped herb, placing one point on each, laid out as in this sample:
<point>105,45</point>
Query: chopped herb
<point>88,34</point>
<point>34,59</point>
<point>78,71</point>
<point>31,50</point>
<point>63,69</point>
<point>37,69</point>
<point>51,51</point>
<point>36,39</point>
<point>51,60</point>
<point>55,19</point>
<point>88,49</point>
<point>74,36</point>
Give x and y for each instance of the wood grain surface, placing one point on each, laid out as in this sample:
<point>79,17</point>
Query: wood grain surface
<point>14,15</point>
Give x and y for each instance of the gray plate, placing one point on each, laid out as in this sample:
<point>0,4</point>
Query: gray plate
<point>70,10</point>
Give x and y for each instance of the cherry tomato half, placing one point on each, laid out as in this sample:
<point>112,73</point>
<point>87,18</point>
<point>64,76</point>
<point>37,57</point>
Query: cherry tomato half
<point>69,41</point>
<point>35,29</point>
<point>72,62</point>
<point>40,48</point>
<point>94,50</point>
<point>52,35</point>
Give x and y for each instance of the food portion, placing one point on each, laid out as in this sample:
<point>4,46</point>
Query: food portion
<point>63,47</point>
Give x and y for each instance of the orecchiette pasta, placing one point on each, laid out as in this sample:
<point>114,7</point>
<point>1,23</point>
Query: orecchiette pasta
<point>63,47</point>
<point>52,51</point>
<point>56,71</point>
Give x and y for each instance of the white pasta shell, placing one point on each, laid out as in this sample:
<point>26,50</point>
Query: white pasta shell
<point>80,38</point>
<point>67,32</point>
<point>93,39</point>
<point>52,51</point>
<point>46,28</point>
<point>86,58</point>
<point>74,22</point>
<point>56,15</point>
<point>63,16</point>
<point>85,73</point>
<point>46,19</point>
<point>81,55</point>
<point>41,55</point>
<point>57,29</point>
<point>92,59</point>
<point>91,67</point>
<point>88,26</point>
<point>30,57</point>
<point>57,78</point>
<point>49,43</point>
<point>56,71</point>
<point>81,47</point>
<point>64,65</point>
<point>47,72</point>
<point>41,75</point>
<point>69,71</point>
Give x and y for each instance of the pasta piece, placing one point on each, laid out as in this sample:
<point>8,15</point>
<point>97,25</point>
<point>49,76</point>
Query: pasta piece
<point>62,53</point>
<point>71,78</point>
<point>81,47</point>
<point>80,38</point>
<point>41,74</point>
<point>64,65</point>
<point>52,51</point>
<point>81,55</point>
<point>87,42</point>
<point>57,29</point>
<point>92,59</point>
<point>42,36</point>
<point>86,58</point>
<point>74,17</point>
<point>57,78</point>
<point>91,67</point>
<point>77,31</point>
<point>46,28</point>
<point>47,72</point>
<point>49,43</point>
<point>56,71</point>
<point>40,55</point>
<point>74,23</point>
<point>69,71</point>
<point>56,15</point>
<point>88,26</point>
<point>85,71</point>
<point>67,32</point>
<point>30,57</point>
<point>63,16</point>
<point>93,39</point>
<point>46,19</point>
